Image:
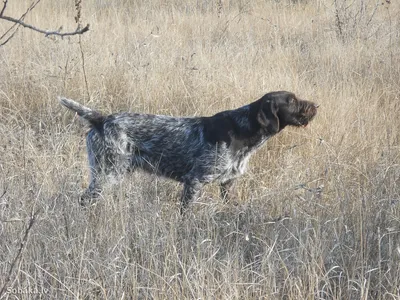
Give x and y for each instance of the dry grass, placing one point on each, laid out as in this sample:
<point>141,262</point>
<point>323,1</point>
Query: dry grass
<point>319,210</point>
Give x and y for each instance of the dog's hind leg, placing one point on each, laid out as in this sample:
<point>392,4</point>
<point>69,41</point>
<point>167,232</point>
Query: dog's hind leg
<point>190,192</point>
<point>96,160</point>
<point>93,191</point>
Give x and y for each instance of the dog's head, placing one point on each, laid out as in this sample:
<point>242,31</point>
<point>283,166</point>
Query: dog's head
<point>280,109</point>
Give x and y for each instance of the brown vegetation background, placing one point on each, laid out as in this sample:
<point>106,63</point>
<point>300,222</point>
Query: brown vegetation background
<point>319,210</point>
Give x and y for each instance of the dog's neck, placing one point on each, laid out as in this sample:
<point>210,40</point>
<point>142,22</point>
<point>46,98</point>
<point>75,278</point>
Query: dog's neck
<point>239,125</point>
<point>247,126</point>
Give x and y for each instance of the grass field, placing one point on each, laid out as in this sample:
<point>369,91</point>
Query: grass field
<point>319,209</point>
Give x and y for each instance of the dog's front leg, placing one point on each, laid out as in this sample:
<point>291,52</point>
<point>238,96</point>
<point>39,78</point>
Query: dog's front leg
<point>190,192</point>
<point>226,188</point>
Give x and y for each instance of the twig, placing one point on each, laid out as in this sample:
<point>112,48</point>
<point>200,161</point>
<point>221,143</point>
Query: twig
<point>338,21</point>
<point>10,37</point>
<point>78,7</point>
<point>19,22</point>
<point>30,8</point>
<point>390,35</point>
<point>46,32</point>
<point>83,68</point>
<point>19,252</point>
<point>4,7</point>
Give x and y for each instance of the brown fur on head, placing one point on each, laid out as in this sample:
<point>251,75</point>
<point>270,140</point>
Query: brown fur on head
<point>280,109</point>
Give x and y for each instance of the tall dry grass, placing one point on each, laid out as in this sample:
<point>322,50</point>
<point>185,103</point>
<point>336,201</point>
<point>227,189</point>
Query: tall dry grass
<point>319,211</point>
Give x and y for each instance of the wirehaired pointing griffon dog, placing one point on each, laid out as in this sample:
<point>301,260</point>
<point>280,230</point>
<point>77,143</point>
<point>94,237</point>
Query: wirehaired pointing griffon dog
<point>194,151</point>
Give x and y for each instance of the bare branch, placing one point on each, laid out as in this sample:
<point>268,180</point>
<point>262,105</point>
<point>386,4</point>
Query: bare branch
<point>20,22</point>
<point>30,8</point>
<point>46,32</point>
<point>9,38</point>
<point>5,33</point>
<point>4,7</point>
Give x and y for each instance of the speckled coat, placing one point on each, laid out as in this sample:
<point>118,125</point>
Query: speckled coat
<point>194,151</point>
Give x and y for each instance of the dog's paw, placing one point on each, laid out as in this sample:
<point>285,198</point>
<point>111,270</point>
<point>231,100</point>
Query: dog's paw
<point>89,198</point>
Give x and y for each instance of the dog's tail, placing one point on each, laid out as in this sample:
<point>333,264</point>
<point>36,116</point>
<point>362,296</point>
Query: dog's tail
<point>94,118</point>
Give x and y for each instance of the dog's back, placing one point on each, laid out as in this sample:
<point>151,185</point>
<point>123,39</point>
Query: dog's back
<point>164,145</point>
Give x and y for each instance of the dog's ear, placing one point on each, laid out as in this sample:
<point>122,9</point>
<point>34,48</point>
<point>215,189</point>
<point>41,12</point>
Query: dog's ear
<point>268,118</point>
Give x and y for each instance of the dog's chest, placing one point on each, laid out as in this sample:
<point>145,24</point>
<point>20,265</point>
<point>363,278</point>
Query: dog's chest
<point>235,159</point>
<point>239,161</point>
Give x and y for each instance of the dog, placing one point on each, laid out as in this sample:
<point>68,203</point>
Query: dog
<point>192,150</point>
